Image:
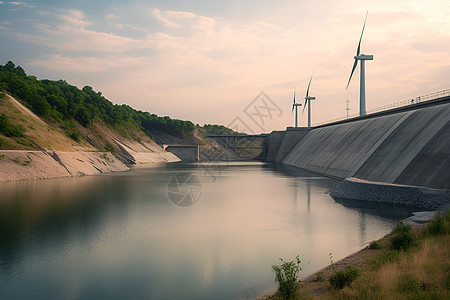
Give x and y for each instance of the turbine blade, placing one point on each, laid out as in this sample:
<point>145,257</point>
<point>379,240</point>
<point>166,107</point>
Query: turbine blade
<point>359,44</point>
<point>309,84</point>
<point>304,106</point>
<point>351,74</point>
<point>293,103</point>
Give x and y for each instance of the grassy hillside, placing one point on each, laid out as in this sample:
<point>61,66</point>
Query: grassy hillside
<point>64,103</point>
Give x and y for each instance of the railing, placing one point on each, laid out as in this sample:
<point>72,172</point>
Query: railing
<point>411,101</point>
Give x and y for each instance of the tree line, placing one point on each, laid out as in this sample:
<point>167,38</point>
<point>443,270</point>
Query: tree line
<point>64,103</point>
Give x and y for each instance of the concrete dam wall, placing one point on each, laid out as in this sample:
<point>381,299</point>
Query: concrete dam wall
<point>410,147</point>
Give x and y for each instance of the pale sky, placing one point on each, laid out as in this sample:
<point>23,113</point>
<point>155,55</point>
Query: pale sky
<point>206,61</point>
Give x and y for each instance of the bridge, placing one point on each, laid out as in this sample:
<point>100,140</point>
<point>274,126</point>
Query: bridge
<point>239,143</point>
<point>227,147</point>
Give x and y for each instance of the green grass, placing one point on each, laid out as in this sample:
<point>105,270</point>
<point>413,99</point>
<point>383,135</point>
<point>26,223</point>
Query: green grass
<point>21,161</point>
<point>416,266</point>
<point>9,129</point>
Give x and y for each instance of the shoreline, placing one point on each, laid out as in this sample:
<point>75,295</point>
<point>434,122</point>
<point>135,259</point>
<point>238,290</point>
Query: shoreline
<point>19,165</point>
<point>316,288</point>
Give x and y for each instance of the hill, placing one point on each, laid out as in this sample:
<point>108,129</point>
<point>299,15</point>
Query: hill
<point>56,118</point>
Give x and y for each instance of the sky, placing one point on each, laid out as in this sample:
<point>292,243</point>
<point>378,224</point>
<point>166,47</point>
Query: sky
<point>209,61</point>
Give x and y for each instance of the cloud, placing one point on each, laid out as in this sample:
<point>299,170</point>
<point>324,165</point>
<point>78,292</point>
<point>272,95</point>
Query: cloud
<point>213,62</point>
<point>165,21</point>
<point>21,4</point>
<point>69,32</point>
<point>112,16</point>
<point>58,62</point>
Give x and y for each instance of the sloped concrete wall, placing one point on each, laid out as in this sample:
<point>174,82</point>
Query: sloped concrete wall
<point>292,136</point>
<point>274,141</point>
<point>409,147</point>
<point>185,153</point>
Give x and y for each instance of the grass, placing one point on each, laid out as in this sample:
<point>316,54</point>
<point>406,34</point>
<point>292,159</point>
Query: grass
<point>406,264</point>
<point>21,161</point>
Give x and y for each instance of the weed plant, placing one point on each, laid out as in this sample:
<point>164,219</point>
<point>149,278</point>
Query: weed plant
<point>286,276</point>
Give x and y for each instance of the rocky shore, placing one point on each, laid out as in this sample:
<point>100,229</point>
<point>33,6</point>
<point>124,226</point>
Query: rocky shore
<point>379,192</point>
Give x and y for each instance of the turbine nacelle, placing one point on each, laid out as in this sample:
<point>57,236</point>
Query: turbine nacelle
<point>310,98</point>
<point>364,57</point>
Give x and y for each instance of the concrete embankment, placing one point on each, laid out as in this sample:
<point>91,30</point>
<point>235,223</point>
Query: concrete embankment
<point>20,165</point>
<point>410,147</point>
<point>291,138</point>
<point>273,144</point>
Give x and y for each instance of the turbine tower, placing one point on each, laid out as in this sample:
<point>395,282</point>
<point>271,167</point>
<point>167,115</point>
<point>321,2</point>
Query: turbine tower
<point>362,78</point>
<point>308,101</point>
<point>295,105</point>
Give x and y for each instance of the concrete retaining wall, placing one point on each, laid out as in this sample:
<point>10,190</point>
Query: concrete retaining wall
<point>292,136</point>
<point>184,152</point>
<point>410,147</point>
<point>274,141</point>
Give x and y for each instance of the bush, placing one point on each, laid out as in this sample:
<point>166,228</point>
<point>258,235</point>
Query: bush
<point>375,245</point>
<point>439,224</point>
<point>320,277</point>
<point>286,276</point>
<point>340,279</point>
<point>9,129</point>
<point>403,237</point>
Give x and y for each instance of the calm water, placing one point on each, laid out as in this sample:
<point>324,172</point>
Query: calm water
<point>120,236</point>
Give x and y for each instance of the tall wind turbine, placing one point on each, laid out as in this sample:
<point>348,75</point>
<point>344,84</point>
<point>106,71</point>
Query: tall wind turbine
<point>295,105</point>
<point>362,78</point>
<point>308,101</point>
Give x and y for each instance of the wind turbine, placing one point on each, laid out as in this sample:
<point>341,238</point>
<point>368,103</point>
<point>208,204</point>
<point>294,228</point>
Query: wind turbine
<point>295,105</point>
<point>308,101</point>
<point>362,78</point>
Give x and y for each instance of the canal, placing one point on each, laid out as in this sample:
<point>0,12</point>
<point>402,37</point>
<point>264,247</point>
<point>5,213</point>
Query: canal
<point>175,231</point>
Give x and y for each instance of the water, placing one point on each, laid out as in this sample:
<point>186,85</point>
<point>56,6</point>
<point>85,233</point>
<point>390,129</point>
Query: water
<point>119,236</point>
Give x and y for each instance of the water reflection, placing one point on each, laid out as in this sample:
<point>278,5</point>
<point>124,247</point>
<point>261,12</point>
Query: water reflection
<point>118,236</point>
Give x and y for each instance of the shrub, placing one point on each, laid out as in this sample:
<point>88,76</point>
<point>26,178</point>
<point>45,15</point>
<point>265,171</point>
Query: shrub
<point>109,148</point>
<point>21,161</point>
<point>340,279</point>
<point>439,224</point>
<point>320,277</point>
<point>71,130</point>
<point>375,245</point>
<point>9,129</point>
<point>286,276</point>
<point>403,237</point>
